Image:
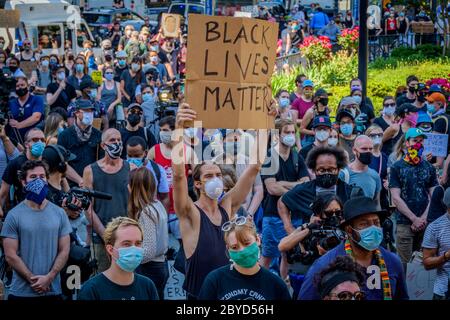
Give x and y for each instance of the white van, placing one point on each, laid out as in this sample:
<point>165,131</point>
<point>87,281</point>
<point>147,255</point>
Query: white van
<point>47,21</point>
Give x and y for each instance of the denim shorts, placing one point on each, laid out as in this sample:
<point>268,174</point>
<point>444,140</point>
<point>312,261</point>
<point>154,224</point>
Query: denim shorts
<point>272,233</point>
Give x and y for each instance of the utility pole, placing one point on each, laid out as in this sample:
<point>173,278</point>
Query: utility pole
<point>363,54</point>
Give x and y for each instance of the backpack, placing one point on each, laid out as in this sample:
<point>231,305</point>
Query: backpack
<point>156,170</point>
<point>133,49</point>
<point>445,117</point>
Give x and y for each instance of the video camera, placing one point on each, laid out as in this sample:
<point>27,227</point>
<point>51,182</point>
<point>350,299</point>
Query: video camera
<point>327,235</point>
<point>84,196</point>
<point>7,85</point>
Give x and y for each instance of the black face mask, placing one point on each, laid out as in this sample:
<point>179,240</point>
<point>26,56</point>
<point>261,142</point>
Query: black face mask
<point>412,89</point>
<point>134,119</point>
<point>22,92</point>
<point>324,101</point>
<point>365,157</point>
<point>326,180</point>
<point>13,68</point>
<point>421,98</point>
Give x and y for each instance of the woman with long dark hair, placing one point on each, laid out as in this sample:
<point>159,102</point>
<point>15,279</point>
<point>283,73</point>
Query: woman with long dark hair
<point>145,208</point>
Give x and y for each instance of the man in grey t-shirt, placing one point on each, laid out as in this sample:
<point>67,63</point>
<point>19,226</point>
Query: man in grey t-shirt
<point>36,239</point>
<point>358,173</point>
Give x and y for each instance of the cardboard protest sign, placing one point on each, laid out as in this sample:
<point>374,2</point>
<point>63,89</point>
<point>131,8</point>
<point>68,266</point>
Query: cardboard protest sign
<point>97,77</point>
<point>420,282</point>
<point>28,67</point>
<point>9,18</point>
<point>436,144</point>
<point>170,24</point>
<point>229,65</point>
<point>174,286</point>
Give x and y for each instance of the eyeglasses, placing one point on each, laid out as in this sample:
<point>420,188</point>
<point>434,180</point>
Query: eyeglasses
<point>238,221</point>
<point>347,295</point>
<point>387,105</point>
<point>327,171</point>
<point>330,213</point>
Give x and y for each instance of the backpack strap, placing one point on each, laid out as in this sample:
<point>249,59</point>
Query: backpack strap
<point>295,157</point>
<point>346,175</point>
<point>156,170</point>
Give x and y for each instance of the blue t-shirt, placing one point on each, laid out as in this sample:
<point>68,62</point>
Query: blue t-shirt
<point>21,113</point>
<point>162,184</point>
<point>101,288</point>
<point>394,267</point>
<point>369,181</point>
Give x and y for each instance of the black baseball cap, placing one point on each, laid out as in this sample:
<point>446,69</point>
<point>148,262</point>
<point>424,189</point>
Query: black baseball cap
<point>51,156</point>
<point>404,109</point>
<point>321,121</point>
<point>321,92</point>
<point>344,113</point>
<point>135,106</point>
<point>82,104</point>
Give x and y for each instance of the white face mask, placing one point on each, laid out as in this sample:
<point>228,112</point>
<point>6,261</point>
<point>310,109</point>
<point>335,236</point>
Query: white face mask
<point>289,140</point>
<point>214,188</point>
<point>322,135</point>
<point>165,136</point>
<point>332,142</point>
<point>88,118</point>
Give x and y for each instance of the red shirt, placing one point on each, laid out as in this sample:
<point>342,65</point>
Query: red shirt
<point>167,165</point>
<point>301,106</point>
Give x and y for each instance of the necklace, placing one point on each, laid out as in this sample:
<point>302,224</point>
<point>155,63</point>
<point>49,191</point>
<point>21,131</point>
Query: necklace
<point>387,292</point>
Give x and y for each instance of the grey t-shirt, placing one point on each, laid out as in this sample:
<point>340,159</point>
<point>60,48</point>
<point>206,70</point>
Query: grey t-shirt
<point>368,180</point>
<point>38,233</point>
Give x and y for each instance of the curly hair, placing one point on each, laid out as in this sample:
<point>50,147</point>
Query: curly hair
<point>344,267</point>
<point>30,165</point>
<point>315,153</point>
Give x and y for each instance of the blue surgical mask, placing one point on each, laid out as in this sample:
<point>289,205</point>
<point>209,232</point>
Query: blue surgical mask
<point>130,258</point>
<point>389,111</point>
<point>147,97</point>
<point>347,129</point>
<point>357,99</point>
<point>79,68</point>
<point>371,237</point>
<point>154,48</point>
<point>109,76</point>
<point>37,149</point>
<point>88,118</point>
<point>45,63</point>
<point>122,63</point>
<point>138,162</point>
<point>93,94</point>
<point>60,129</point>
<point>61,76</point>
<point>284,102</point>
<point>431,108</point>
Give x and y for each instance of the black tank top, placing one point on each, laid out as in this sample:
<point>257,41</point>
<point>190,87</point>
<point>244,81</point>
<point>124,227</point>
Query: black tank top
<point>209,254</point>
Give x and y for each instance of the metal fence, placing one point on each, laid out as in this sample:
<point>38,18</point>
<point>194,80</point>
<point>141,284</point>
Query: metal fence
<point>382,46</point>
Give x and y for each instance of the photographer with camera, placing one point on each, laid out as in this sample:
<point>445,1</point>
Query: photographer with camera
<point>312,240</point>
<point>36,239</point>
<point>27,111</point>
<point>363,218</point>
<point>154,59</point>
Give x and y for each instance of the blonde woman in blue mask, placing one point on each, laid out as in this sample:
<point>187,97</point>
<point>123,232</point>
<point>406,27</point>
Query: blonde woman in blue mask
<point>244,278</point>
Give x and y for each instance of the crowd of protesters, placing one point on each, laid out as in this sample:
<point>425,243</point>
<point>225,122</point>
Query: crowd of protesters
<point>341,189</point>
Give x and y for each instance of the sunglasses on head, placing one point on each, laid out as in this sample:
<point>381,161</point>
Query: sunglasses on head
<point>389,105</point>
<point>238,221</point>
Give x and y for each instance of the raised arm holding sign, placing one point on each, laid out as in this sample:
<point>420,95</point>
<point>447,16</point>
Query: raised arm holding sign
<point>229,65</point>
